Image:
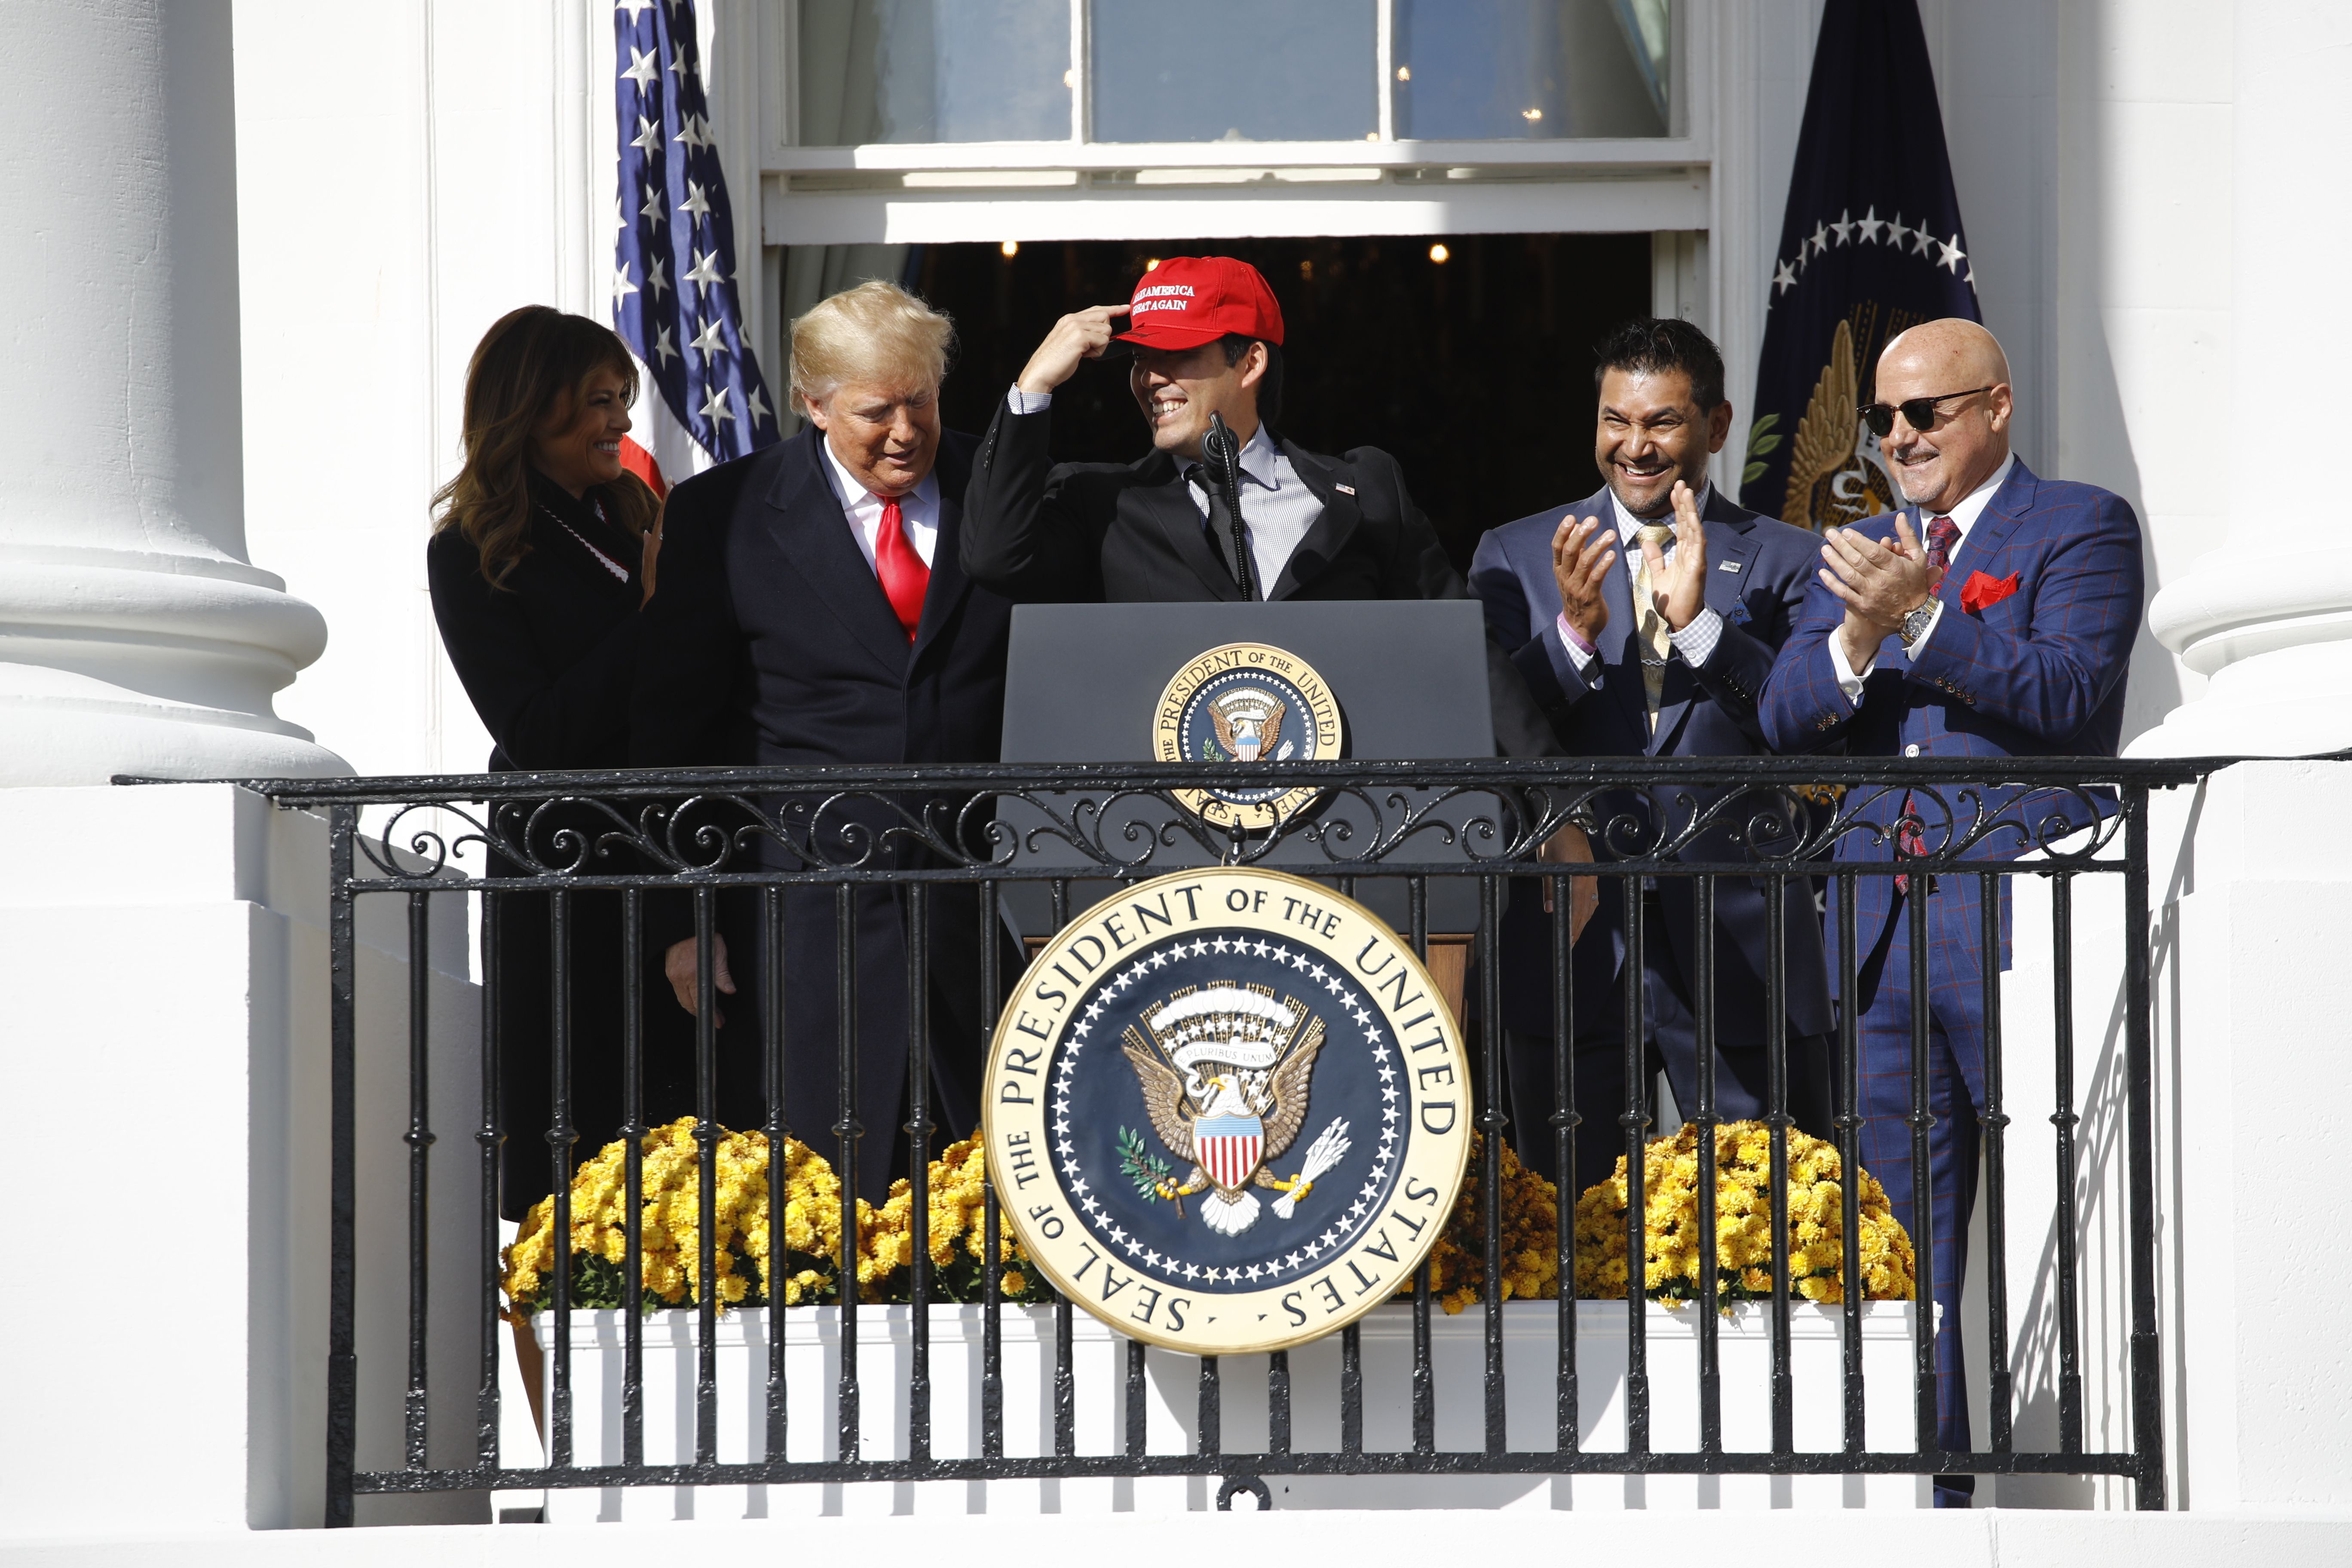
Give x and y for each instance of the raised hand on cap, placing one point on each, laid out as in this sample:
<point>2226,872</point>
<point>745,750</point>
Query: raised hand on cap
<point>1079,336</point>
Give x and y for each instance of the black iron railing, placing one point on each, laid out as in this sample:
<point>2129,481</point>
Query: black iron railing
<point>1412,832</point>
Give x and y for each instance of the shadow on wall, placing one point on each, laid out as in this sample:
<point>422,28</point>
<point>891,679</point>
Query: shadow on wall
<point>2170,1016</point>
<point>2097,449</point>
<point>2095,438</point>
<point>2041,1348</point>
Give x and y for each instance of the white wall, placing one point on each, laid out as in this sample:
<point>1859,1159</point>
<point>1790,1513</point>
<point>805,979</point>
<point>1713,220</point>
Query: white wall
<point>408,175</point>
<point>1981,1538</point>
<point>2090,145</point>
<point>2253,1086</point>
<point>1763,60</point>
<point>402,183</point>
<point>164,1009</point>
<point>2247,1000</point>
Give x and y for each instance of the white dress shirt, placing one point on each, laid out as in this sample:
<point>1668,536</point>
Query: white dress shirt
<point>1694,642</point>
<point>920,507</point>
<point>1964,517</point>
<point>1277,508</point>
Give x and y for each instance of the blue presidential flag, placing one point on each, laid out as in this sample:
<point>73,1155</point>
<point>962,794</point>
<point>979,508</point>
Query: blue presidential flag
<point>675,298</point>
<point>1871,244</point>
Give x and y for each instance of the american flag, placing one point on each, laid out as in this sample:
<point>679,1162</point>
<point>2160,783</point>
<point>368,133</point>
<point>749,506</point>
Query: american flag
<point>674,295</point>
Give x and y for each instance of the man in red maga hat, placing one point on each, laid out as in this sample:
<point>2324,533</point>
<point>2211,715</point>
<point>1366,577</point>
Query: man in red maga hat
<point>1204,335</point>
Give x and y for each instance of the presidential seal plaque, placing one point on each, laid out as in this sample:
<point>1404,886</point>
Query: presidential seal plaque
<point>1245,702</point>
<point>1227,1111</point>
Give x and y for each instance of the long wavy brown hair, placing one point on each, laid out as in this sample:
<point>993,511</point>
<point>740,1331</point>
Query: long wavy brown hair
<point>531,362</point>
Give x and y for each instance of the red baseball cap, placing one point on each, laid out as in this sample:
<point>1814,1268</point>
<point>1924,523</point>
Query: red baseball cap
<point>1187,301</point>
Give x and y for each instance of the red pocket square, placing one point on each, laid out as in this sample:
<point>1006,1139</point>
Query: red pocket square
<point>1981,590</point>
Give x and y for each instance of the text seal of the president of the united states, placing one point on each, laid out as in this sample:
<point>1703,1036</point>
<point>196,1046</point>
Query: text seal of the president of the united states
<point>1227,1111</point>
<point>1245,702</point>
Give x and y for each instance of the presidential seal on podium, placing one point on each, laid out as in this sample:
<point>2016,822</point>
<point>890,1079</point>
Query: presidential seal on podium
<point>1245,702</point>
<point>1227,1112</point>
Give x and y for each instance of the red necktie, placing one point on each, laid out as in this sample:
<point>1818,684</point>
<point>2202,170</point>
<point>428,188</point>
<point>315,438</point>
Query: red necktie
<point>1943,535</point>
<point>903,575</point>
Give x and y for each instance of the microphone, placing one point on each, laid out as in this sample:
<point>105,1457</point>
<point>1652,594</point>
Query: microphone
<point>1221,454</point>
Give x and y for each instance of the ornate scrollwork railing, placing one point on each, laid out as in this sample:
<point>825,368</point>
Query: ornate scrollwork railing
<point>1434,824</point>
<point>1118,821</point>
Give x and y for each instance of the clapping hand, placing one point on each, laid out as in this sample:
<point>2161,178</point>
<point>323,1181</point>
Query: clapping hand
<point>1581,554</point>
<point>1079,336</point>
<point>1879,584</point>
<point>1678,588</point>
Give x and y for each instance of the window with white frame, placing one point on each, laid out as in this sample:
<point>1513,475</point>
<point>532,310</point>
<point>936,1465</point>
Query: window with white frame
<point>880,72</point>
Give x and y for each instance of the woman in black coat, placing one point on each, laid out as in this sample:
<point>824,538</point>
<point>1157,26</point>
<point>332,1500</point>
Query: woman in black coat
<point>542,555</point>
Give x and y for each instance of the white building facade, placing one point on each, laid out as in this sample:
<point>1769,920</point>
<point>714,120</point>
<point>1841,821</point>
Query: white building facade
<point>408,172</point>
<point>298,220</point>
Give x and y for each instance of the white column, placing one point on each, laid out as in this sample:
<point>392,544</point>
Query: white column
<point>165,964</point>
<point>2268,615</point>
<point>134,636</point>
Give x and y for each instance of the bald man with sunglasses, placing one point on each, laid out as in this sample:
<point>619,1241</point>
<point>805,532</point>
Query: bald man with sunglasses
<point>1993,617</point>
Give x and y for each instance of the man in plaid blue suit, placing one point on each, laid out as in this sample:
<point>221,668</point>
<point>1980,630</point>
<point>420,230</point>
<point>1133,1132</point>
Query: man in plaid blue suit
<point>1993,618</point>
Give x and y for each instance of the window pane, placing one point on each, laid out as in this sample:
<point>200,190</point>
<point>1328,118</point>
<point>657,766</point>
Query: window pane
<point>1235,70</point>
<point>1484,69</point>
<point>934,71</point>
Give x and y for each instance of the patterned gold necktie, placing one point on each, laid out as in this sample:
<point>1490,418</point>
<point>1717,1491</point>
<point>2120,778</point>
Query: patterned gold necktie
<point>1647,621</point>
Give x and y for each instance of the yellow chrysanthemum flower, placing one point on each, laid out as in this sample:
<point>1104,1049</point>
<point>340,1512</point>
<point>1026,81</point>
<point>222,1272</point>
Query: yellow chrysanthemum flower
<point>1743,1222</point>
<point>670,1199</point>
<point>1530,1253</point>
<point>955,1212</point>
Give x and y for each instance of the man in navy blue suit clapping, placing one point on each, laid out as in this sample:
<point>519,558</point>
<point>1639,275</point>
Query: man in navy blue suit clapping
<point>1994,617</point>
<point>1644,619</point>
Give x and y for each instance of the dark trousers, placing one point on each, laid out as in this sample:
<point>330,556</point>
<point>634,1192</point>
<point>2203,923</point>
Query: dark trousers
<point>1954,1102</point>
<point>1599,1064</point>
<point>876,1034</point>
<point>592,1081</point>
<point>1669,1044</point>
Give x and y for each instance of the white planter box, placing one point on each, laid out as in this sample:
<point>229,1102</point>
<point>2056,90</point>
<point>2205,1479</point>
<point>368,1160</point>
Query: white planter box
<point>812,1349</point>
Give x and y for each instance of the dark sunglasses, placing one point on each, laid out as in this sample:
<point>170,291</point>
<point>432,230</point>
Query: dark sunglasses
<point>1919,413</point>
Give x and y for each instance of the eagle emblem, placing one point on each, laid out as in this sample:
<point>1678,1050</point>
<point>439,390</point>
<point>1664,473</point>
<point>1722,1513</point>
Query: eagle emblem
<point>1835,476</point>
<point>1247,702</point>
<point>1158,1076</point>
<point>1224,1071</point>
<point>1248,721</point>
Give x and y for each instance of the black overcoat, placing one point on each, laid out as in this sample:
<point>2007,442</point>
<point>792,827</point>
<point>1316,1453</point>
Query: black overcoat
<point>549,659</point>
<point>770,641</point>
<point>1130,533</point>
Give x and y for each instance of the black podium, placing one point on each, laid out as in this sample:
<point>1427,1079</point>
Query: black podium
<point>1086,681</point>
<point>1409,675</point>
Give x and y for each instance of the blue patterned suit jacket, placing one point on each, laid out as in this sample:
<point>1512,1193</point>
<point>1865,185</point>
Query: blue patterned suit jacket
<point>2038,673</point>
